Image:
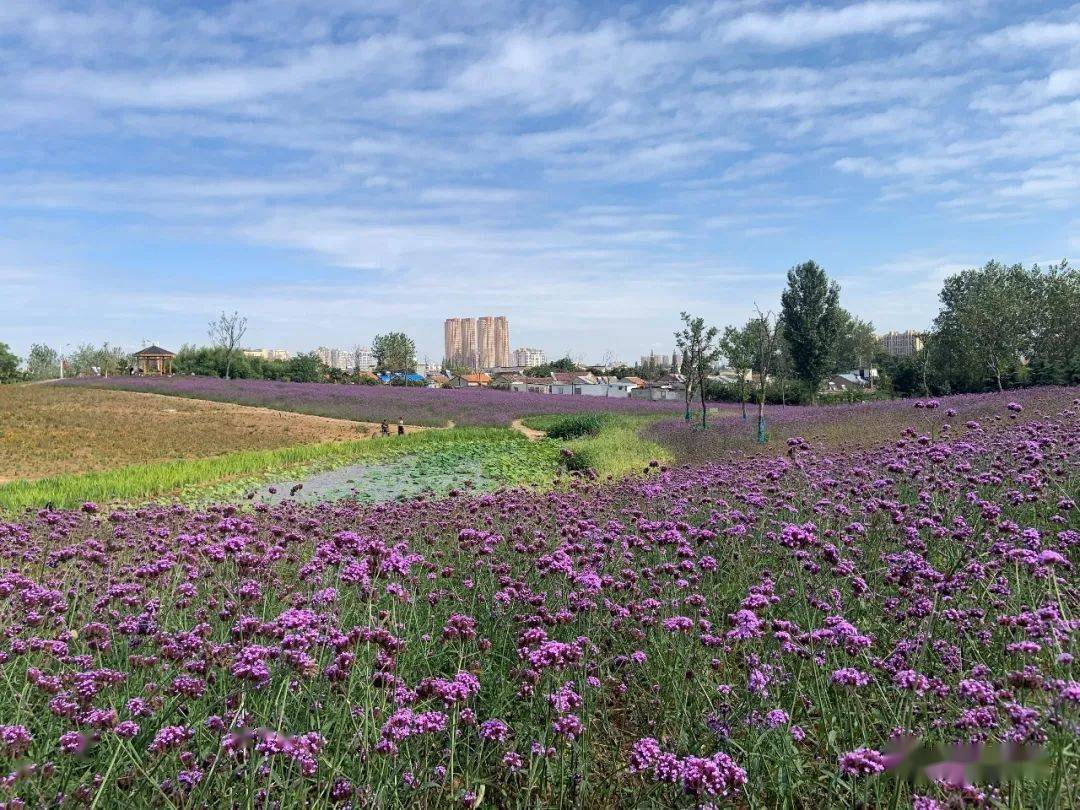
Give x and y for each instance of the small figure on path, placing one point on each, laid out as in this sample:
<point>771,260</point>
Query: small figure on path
<point>385,428</point>
<point>401,426</point>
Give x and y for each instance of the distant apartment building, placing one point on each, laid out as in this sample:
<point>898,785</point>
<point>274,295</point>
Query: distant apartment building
<point>485,341</point>
<point>361,359</point>
<point>467,348</point>
<point>502,341</point>
<point>452,341</point>
<point>662,361</point>
<point>477,342</point>
<point>901,344</point>
<point>492,341</point>
<point>528,358</point>
<point>268,354</point>
<point>341,359</point>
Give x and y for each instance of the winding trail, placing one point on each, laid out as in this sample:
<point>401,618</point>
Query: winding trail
<point>530,433</point>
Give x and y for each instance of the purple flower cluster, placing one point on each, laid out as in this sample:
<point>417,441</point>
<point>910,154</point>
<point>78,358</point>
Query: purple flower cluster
<point>862,762</point>
<point>713,776</point>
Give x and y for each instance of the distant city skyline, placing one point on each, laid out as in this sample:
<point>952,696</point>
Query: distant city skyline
<point>482,342</point>
<point>587,169</point>
<point>901,343</point>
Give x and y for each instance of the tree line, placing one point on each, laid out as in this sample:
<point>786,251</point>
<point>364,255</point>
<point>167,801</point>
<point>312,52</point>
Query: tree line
<point>999,326</point>
<point>394,353</point>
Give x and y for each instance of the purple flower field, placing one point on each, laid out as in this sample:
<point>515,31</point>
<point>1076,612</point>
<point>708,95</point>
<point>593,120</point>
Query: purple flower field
<point>781,630</point>
<point>373,403</point>
<point>857,426</point>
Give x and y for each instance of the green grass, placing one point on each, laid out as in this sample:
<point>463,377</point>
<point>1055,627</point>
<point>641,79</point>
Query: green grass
<point>608,443</point>
<point>188,479</point>
<point>574,426</point>
<point>611,444</point>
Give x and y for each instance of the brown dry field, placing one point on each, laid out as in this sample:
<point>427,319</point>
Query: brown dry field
<point>49,430</point>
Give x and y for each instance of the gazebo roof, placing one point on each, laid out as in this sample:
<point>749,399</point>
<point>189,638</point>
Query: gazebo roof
<point>154,351</point>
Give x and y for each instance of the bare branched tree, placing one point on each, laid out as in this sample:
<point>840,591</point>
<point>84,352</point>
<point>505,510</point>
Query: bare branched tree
<point>227,332</point>
<point>764,341</point>
<point>700,351</point>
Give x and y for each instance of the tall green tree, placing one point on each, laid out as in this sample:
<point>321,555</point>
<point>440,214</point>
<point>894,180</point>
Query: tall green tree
<point>700,350</point>
<point>812,322</point>
<point>43,363</point>
<point>985,324</point>
<point>735,347</point>
<point>307,367</point>
<point>856,344</point>
<point>394,352</point>
<point>9,364</point>
<point>1054,353</point>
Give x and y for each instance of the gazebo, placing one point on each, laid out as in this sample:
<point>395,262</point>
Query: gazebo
<point>154,360</point>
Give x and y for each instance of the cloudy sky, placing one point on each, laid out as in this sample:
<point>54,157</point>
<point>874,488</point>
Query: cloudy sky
<point>336,168</point>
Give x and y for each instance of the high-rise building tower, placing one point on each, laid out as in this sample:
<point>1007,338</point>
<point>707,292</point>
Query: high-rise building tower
<point>502,341</point>
<point>492,341</point>
<point>485,341</point>
<point>467,346</point>
<point>452,338</point>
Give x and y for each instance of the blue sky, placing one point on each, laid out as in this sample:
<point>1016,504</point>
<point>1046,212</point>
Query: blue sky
<point>334,169</point>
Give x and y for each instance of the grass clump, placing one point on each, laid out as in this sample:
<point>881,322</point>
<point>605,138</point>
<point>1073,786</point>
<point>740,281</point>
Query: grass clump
<point>572,426</point>
<point>607,443</point>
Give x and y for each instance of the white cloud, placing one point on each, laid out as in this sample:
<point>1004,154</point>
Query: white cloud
<point>560,151</point>
<point>1034,34</point>
<point>230,84</point>
<point>466,195</point>
<point>541,72</point>
<point>1063,83</point>
<point>807,25</point>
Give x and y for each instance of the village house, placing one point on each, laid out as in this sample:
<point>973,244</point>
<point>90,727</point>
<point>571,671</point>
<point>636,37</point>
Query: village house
<point>570,382</point>
<point>669,388</point>
<point>860,379</point>
<point>479,380</point>
<point>533,385</point>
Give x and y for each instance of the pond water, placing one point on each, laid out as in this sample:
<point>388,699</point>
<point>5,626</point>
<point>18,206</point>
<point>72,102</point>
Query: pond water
<point>400,478</point>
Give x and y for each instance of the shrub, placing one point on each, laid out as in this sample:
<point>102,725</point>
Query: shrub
<point>577,425</point>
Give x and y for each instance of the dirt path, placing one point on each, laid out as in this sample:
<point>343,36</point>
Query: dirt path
<point>531,433</point>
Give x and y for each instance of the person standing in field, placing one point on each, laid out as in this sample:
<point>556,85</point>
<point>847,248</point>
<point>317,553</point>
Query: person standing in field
<point>384,428</point>
<point>401,426</point>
